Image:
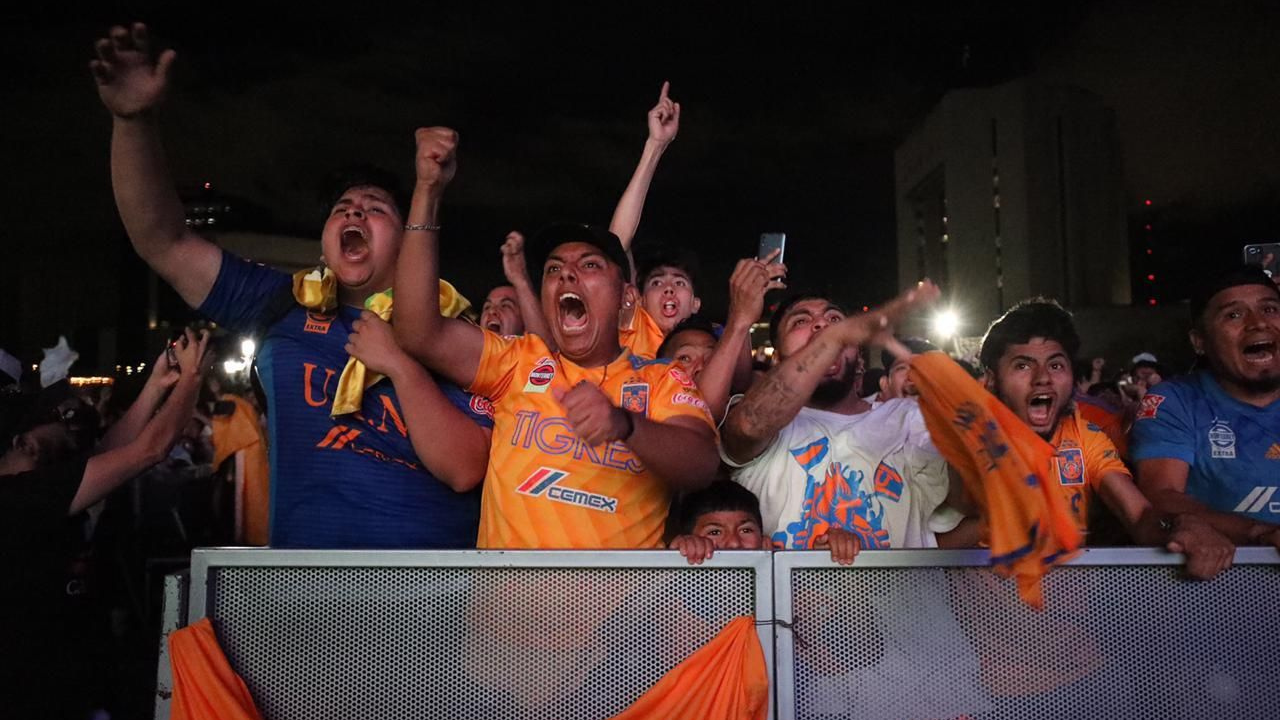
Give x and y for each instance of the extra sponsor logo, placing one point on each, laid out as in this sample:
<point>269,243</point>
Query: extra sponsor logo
<point>317,323</point>
<point>540,376</point>
<point>1222,440</point>
<point>481,405</point>
<point>1259,500</point>
<point>545,482</point>
<point>1070,466</point>
<point>1150,406</point>
<point>683,398</point>
<point>635,397</point>
<point>681,377</point>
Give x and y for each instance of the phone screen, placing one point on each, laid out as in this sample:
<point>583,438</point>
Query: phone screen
<point>771,241</point>
<point>1265,254</point>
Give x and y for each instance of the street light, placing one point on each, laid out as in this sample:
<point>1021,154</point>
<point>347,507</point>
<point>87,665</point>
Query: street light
<point>946,323</point>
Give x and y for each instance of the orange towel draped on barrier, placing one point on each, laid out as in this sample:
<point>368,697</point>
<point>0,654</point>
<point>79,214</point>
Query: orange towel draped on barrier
<point>204,685</point>
<point>1006,469</point>
<point>725,679</point>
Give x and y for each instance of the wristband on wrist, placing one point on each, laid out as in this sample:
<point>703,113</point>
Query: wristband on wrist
<point>424,226</point>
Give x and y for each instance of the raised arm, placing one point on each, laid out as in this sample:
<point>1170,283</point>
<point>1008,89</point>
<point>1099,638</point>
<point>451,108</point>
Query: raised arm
<point>106,471</point>
<point>664,123</point>
<point>452,447</point>
<point>750,281</point>
<point>450,346</point>
<point>517,273</point>
<point>163,376</point>
<point>132,84</point>
<point>774,401</point>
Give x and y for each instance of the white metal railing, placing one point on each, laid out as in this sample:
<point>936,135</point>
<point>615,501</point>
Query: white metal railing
<point>900,633</point>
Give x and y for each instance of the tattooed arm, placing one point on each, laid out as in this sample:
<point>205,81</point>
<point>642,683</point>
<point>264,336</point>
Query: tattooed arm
<point>773,402</point>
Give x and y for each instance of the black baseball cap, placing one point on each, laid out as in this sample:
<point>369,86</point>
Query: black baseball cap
<point>553,236</point>
<point>1233,277</point>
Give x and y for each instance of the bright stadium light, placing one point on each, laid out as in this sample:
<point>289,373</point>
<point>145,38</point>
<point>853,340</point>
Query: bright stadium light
<point>946,323</point>
<point>248,347</point>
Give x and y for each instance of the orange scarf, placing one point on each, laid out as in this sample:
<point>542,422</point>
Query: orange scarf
<point>1006,469</point>
<point>317,290</point>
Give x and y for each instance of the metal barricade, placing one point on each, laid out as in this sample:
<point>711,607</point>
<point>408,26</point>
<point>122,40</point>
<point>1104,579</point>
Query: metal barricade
<point>934,634</point>
<point>467,634</point>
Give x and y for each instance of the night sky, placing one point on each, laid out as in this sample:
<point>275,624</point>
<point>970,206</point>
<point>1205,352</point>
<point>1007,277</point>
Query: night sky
<point>790,119</point>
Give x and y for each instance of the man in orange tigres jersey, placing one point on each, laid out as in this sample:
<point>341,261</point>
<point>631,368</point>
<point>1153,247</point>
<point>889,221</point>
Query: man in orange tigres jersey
<point>589,439</point>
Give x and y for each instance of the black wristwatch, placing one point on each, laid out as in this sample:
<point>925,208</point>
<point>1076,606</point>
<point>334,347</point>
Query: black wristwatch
<point>631,425</point>
<point>1167,524</point>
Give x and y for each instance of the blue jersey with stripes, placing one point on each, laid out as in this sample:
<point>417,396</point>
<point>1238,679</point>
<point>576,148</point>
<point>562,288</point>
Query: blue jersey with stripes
<point>1232,447</point>
<point>348,482</point>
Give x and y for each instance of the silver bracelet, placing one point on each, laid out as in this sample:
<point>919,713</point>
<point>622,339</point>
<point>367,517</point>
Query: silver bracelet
<point>434,228</point>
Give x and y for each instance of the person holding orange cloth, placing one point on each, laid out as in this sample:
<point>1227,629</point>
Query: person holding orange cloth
<point>1024,424</point>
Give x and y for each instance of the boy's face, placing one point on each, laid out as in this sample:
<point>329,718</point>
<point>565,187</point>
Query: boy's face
<point>690,349</point>
<point>895,383</point>
<point>730,530</point>
<point>1035,381</point>
<point>668,296</point>
<point>361,239</point>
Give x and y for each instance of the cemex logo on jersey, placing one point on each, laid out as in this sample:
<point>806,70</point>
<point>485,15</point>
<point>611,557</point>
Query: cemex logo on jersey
<point>1259,500</point>
<point>540,376</point>
<point>545,481</point>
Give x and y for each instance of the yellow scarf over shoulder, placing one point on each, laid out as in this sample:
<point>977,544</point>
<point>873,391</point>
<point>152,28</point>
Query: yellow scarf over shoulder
<point>317,291</point>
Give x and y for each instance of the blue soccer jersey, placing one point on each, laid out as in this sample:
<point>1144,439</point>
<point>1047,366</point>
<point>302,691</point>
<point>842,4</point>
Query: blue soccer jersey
<point>348,482</point>
<point>1233,448</point>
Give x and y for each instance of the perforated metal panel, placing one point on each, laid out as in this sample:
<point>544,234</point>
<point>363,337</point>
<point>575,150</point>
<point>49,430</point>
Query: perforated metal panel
<point>1115,641</point>
<point>406,641</point>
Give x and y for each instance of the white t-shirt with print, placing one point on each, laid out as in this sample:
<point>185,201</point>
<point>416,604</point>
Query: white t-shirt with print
<point>876,474</point>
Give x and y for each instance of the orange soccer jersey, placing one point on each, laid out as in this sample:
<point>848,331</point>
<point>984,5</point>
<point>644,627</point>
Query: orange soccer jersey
<point>545,488</point>
<point>643,337</point>
<point>1084,455</point>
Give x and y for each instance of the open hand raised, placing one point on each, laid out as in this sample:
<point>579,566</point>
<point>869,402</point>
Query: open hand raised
<point>130,80</point>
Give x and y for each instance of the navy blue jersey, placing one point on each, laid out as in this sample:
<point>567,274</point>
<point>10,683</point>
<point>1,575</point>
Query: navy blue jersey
<point>1233,448</point>
<point>348,482</point>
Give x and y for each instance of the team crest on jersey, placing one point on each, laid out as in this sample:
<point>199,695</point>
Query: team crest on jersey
<point>1070,466</point>
<point>1222,440</point>
<point>681,377</point>
<point>540,376</point>
<point>1273,453</point>
<point>481,405</point>
<point>635,397</point>
<point>1149,408</point>
<point>545,482</point>
<point>317,323</point>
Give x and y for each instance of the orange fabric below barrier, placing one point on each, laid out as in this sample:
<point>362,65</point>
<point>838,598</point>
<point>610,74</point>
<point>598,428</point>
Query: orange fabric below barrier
<point>1006,469</point>
<point>724,680</point>
<point>204,685</point>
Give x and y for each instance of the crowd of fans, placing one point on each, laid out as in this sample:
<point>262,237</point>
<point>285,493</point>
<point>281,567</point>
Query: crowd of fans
<point>589,405</point>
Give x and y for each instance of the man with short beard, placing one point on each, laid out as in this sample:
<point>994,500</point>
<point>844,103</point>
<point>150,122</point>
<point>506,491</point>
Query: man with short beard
<point>823,462</point>
<point>1209,443</point>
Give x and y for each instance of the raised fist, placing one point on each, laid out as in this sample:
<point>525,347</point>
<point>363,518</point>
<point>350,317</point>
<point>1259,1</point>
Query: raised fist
<point>436,159</point>
<point>513,263</point>
<point>130,81</point>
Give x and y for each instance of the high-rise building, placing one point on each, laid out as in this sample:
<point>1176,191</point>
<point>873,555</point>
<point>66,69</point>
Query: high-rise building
<point>1012,191</point>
